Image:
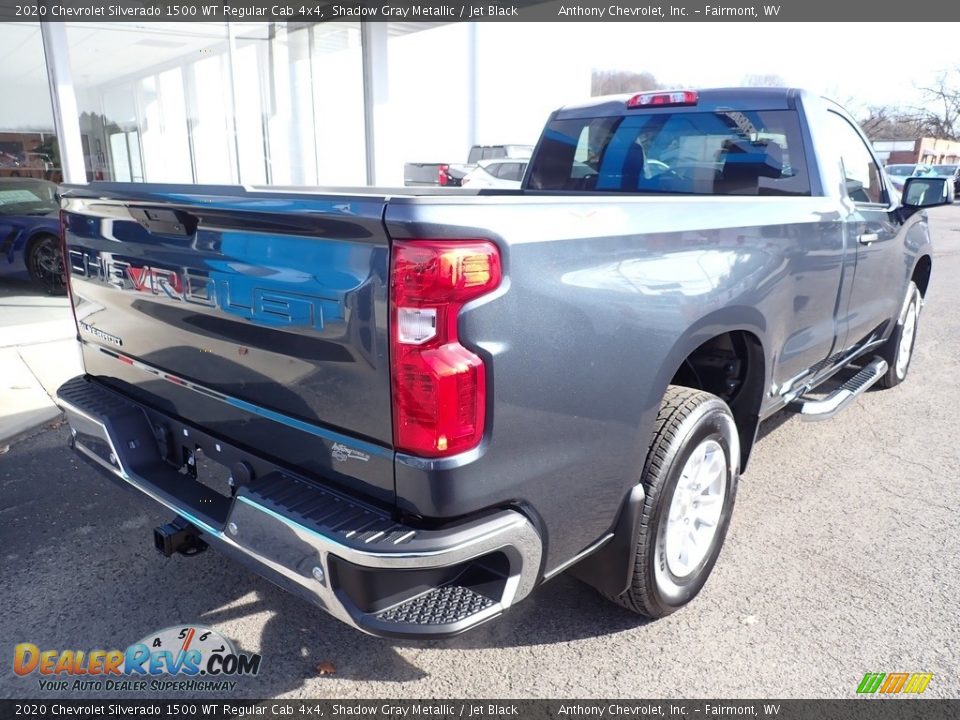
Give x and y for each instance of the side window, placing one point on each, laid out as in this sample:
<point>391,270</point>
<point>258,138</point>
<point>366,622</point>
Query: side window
<point>861,174</point>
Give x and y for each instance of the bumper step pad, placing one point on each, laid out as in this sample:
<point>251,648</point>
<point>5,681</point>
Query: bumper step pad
<point>441,606</point>
<point>329,513</point>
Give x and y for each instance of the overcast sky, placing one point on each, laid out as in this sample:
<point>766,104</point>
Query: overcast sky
<point>878,63</point>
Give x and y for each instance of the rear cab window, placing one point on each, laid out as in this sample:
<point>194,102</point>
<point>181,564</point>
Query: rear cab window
<point>717,152</point>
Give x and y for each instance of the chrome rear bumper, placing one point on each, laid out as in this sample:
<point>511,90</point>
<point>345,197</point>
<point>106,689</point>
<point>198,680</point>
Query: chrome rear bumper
<point>353,560</point>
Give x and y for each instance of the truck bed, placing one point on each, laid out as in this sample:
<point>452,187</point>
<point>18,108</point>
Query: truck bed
<point>267,322</point>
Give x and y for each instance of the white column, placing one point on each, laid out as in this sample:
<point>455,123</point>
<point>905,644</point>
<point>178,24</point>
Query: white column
<point>301,122</point>
<point>66,117</point>
<point>472,84</point>
<point>235,142</point>
<point>376,90</point>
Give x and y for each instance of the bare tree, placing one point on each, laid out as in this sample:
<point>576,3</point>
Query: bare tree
<point>610,82</point>
<point>939,118</point>
<point>944,95</point>
<point>764,80</point>
<point>884,122</point>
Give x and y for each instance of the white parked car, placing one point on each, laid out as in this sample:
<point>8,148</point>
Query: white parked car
<point>500,173</point>
<point>899,173</point>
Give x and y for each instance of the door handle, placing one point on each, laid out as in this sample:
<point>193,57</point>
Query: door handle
<point>164,221</point>
<point>868,238</point>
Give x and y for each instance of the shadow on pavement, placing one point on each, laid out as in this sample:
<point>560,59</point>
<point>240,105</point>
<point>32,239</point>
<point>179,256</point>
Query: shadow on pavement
<point>19,287</point>
<point>80,567</point>
<point>13,424</point>
<point>23,303</point>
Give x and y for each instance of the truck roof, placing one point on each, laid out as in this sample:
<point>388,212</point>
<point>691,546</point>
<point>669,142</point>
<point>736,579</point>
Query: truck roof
<point>709,99</point>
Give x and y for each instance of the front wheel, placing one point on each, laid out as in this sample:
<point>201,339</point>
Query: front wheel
<point>898,351</point>
<point>690,480</point>
<point>45,264</point>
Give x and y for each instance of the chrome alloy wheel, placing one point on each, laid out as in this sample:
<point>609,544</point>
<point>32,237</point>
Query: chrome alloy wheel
<point>696,508</point>
<point>47,257</point>
<point>906,338</point>
<point>45,264</point>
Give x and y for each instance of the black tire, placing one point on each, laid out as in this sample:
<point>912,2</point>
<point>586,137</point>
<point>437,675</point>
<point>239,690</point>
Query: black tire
<point>45,264</point>
<point>897,353</point>
<point>688,420</point>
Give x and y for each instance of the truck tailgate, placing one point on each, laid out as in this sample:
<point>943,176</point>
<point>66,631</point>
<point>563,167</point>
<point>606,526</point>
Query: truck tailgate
<point>260,316</point>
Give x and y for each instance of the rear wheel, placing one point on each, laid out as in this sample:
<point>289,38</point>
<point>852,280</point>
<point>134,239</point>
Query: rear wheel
<point>690,480</point>
<point>45,264</point>
<point>898,351</point>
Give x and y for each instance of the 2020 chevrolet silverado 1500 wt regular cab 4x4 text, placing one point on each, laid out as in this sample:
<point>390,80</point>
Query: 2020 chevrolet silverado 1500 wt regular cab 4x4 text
<point>411,408</point>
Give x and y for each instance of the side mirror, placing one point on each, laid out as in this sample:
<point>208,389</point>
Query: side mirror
<point>925,192</point>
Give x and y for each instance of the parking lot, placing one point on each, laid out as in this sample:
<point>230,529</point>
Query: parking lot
<point>843,558</point>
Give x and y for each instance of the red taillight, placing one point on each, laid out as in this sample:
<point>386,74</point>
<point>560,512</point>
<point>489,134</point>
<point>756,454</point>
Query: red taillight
<point>439,386</point>
<point>442,177</point>
<point>662,99</point>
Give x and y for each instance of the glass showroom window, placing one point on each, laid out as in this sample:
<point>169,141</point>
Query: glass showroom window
<point>28,146</point>
<point>300,105</point>
<point>256,103</point>
<point>425,115</point>
<point>337,80</point>
<point>136,94</point>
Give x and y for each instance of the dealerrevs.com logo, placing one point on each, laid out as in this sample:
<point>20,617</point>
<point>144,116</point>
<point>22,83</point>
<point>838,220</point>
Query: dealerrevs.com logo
<point>175,659</point>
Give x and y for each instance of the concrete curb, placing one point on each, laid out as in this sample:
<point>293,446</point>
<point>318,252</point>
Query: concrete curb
<point>38,333</point>
<point>29,378</point>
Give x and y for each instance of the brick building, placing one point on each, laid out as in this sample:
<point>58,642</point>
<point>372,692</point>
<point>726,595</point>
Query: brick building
<point>929,151</point>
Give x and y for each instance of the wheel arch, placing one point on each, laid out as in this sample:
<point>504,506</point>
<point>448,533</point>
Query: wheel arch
<point>740,381</point>
<point>737,333</point>
<point>921,273</point>
<point>610,568</point>
<point>34,237</point>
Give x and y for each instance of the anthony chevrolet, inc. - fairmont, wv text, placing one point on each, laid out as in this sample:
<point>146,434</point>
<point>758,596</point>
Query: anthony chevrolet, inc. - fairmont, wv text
<point>661,11</point>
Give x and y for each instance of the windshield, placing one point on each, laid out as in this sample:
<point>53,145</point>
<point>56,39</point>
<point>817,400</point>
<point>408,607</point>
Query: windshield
<point>27,197</point>
<point>945,169</point>
<point>900,170</point>
<point>726,152</point>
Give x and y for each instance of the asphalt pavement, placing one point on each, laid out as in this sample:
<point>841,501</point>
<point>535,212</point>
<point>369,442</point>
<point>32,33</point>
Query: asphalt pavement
<point>843,558</point>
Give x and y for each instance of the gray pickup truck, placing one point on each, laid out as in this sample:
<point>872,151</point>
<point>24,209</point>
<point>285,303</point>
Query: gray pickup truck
<point>411,408</point>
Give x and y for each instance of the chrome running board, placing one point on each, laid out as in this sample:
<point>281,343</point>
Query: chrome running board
<point>827,407</point>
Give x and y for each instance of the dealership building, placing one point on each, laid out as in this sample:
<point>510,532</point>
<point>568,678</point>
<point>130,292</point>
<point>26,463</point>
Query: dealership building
<point>926,150</point>
<point>345,103</point>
